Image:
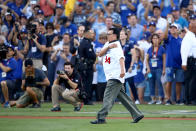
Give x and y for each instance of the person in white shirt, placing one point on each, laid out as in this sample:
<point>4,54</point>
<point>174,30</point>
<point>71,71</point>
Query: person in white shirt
<point>188,54</point>
<point>114,68</point>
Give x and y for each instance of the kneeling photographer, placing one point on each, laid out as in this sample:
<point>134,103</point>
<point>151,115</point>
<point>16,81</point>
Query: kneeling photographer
<point>67,84</point>
<point>32,83</point>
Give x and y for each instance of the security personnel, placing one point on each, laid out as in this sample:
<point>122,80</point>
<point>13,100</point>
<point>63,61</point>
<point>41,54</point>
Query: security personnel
<point>85,62</point>
<point>188,54</point>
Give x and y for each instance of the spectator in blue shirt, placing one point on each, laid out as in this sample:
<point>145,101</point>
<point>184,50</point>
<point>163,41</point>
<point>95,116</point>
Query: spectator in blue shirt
<point>151,28</point>
<point>127,45</point>
<point>136,29</point>
<point>115,16</point>
<point>79,17</point>
<point>19,57</point>
<point>58,14</point>
<point>17,6</point>
<point>141,10</point>
<point>126,7</point>
<point>9,21</point>
<point>101,79</point>
<point>68,28</point>
<point>137,64</point>
<point>173,63</point>
<point>179,19</point>
<point>155,62</point>
<point>7,77</point>
<point>166,6</point>
<point>99,25</point>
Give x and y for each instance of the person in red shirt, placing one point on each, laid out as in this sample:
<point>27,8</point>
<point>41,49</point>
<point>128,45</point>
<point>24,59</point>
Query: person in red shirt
<point>48,7</point>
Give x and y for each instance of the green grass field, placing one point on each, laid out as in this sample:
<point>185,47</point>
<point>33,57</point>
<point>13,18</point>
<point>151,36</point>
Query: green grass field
<point>27,124</point>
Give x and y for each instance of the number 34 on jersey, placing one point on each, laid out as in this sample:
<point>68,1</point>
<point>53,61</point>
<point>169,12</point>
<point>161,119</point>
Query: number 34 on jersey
<point>107,60</point>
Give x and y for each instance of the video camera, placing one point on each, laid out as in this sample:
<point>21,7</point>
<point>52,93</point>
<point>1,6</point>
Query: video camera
<point>3,52</point>
<point>31,29</point>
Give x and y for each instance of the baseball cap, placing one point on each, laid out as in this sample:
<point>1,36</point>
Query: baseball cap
<point>152,23</point>
<point>59,6</point>
<point>8,13</point>
<point>81,4</point>
<point>23,16</point>
<point>174,25</point>
<point>28,62</point>
<point>156,6</point>
<point>146,35</point>
<point>130,14</point>
<point>40,12</point>
<point>33,2</point>
<point>192,17</point>
<point>10,46</point>
<point>175,8</point>
<point>23,31</point>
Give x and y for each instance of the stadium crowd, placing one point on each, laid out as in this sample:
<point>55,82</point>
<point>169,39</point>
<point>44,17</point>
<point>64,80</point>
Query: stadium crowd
<point>62,37</point>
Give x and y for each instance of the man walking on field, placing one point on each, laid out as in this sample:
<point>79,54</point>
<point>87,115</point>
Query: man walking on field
<point>114,68</point>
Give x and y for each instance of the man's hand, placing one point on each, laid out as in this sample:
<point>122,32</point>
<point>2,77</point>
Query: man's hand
<point>62,54</point>
<point>76,42</point>
<point>148,70</point>
<point>122,74</point>
<point>184,67</point>
<point>163,72</point>
<point>35,39</point>
<point>130,69</point>
<point>64,76</point>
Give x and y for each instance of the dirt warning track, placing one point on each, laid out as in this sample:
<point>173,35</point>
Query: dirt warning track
<point>85,117</point>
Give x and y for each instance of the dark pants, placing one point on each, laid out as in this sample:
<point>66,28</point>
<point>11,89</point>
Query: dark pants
<point>51,74</point>
<point>100,90</point>
<point>11,87</point>
<point>87,79</point>
<point>190,85</point>
<point>132,86</point>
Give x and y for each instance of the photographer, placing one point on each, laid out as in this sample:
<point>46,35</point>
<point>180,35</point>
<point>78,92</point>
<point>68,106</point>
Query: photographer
<point>20,39</point>
<point>67,84</point>
<point>36,45</point>
<point>7,71</point>
<point>32,83</point>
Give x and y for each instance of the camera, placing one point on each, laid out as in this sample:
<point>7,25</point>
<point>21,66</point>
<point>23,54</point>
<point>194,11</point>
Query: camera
<point>62,72</point>
<point>82,95</point>
<point>9,10</point>
<point>31,29</point>
<point>60,37</point>
<point>30,77</point>
<point>3,52</point>
<point>189,12</point>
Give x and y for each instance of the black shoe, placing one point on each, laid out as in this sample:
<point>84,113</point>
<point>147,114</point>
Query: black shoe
<point>168,102</point>
<point>35,105</point>
<point>78,108</point>
<point>193,103</point>
<point>99,121</point>
<point>55,109</point>
<point>138,119</point>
